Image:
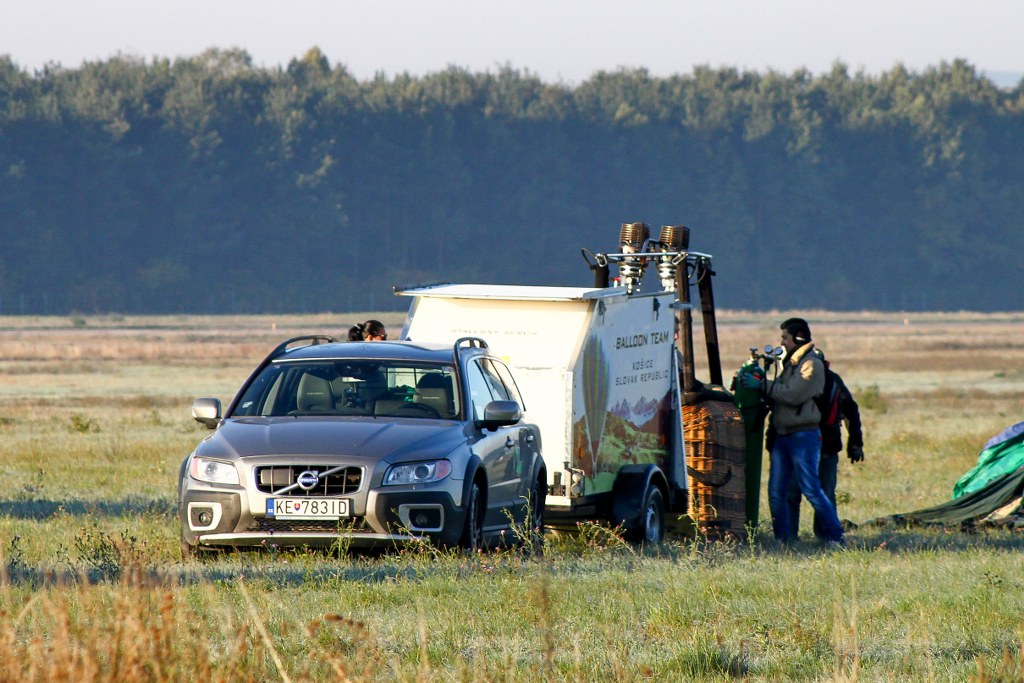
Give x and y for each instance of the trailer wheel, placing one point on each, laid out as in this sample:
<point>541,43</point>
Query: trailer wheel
<point>652,518</point>
<point>473,532</point>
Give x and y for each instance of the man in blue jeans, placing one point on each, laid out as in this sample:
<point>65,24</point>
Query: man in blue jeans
<point>794,418</point>
<point>842,409</point>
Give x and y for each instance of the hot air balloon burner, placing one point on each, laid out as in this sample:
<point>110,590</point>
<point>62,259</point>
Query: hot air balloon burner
<point>631,241</point>
<point>673,243</point>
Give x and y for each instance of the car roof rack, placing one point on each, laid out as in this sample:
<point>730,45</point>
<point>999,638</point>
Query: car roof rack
<point>313,340</point>
<point>471,342</point>
<point>468,343</point>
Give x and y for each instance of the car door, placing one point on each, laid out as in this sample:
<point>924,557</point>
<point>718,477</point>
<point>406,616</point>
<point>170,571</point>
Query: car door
<point>499,450</point>
<point>528,446</point>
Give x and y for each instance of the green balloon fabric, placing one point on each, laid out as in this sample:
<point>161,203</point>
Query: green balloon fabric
<point>1003,454</point>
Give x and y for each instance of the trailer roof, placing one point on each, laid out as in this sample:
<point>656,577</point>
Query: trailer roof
<point>516,292</point>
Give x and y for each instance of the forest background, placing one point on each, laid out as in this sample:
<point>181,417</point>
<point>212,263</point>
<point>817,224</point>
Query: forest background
<point>209,185</point>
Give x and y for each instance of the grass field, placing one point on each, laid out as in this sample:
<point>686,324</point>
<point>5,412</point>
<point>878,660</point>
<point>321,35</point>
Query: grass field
<point>94,423</point>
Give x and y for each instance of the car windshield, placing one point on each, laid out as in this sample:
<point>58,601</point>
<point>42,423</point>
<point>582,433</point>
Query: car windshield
<point>352,387</point>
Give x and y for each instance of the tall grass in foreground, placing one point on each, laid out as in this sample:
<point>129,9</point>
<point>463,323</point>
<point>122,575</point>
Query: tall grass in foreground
<point>92,587</point>
<point>907,606</point>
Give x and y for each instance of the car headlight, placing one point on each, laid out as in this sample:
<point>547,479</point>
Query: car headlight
<point>417,472</point>
<point>213,471</point>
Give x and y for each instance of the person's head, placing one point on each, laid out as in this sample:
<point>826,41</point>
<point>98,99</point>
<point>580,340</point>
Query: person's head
<point>795,333</point>
<point>373,330</point>
<point>355,333</point>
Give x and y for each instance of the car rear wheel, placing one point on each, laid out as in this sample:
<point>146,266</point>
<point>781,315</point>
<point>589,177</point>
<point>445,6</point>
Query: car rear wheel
<point>473,531</point>
<point>535,515</point>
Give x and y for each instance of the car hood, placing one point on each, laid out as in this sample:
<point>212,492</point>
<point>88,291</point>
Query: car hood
<point>391,440</point>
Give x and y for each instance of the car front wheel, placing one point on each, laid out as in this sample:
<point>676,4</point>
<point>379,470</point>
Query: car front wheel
<point>473,531</point>
<point>188,551</point>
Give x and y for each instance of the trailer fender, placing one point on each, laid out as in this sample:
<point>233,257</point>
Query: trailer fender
<point>630,491</point>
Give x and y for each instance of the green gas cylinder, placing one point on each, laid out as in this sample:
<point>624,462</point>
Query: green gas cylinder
<point>742,396</point>
<point>753,409</point>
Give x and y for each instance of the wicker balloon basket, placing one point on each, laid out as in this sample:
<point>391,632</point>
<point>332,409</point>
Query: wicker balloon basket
<point>715,457</point>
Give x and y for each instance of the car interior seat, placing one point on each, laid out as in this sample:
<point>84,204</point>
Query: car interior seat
<point>314,395</point>
<point>434,390</point>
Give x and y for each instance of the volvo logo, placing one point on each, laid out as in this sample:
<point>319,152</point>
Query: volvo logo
<point>307,480</point>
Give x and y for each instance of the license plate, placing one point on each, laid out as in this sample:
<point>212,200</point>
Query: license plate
<point>307,508</point>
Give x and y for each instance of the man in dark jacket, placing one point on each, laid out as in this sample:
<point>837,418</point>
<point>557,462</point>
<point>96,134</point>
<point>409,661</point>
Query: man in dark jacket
<point>795,418</point>
<point>831,447</point>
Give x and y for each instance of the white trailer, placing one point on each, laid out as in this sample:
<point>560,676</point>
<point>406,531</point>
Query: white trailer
<point>599,373</point>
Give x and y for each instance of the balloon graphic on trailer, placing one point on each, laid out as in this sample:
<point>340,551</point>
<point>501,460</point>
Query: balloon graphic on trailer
<point>595,393</point>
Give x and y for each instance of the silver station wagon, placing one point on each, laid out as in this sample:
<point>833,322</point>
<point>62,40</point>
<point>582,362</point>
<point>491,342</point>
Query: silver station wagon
<point>373,443</point>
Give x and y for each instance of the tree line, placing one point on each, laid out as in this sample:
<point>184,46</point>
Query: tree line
<point>209,185</point>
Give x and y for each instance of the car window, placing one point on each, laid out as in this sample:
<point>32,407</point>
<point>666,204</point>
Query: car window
<point>261,393</point>
<point>498,390</point>
<point>352,387</point>
<point>509,382</point>
<point>479,389</point>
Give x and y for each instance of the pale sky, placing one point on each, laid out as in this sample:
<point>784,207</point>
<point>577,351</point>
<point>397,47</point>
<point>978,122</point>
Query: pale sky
<point>558,40</point>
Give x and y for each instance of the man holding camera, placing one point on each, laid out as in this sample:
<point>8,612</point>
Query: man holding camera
<point>795,419</point>
<point>838,407</point>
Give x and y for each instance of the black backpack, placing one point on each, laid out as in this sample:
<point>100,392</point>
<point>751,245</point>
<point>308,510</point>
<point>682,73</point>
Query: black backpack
<point>828,401</point>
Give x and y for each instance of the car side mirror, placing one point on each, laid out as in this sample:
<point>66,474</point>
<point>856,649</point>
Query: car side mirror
<point>206,411</point>
<point>500,414</point>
